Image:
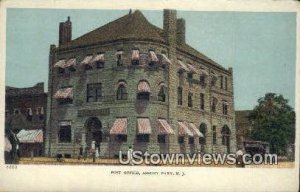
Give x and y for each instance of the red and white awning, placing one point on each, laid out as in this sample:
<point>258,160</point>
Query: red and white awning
<point>164,128</point>
<point>184,130</point>
<point>182,66</point>
<point>192,68</point>
<point>98,58</point>
<point>143,86</point>
<point>135,55</point>
<point>165,59</point>
<point>143,126</point>
<point>87,60</point>
<point>64,93</point>
<point>122,83</point>
<point>30,136</point>
<point>61,63</point>
<point>153,56</point>
<point>119,127</point>
<point>194,130</point>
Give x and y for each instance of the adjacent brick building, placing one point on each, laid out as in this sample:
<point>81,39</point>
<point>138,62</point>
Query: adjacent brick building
<point>130,83</point>
<point>25,112</point>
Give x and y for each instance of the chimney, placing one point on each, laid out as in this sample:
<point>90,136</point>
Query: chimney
<point>170,26</point>
<point>65,32</point>
<point>180,31</point>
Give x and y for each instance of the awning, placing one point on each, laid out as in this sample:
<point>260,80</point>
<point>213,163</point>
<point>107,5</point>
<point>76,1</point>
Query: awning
<point>87,60</point>
<point>119,127</point>
<point>165,59</point>
<point>164,128</point>
<point>143,86</point>
<point>204,72</point>
<point>144,126</point>
<point>225,102</point>
<point>182,66</point>
<point>119,52</point>
<point>7,146</point>
<point>30,136</point>
<point>122,83</point>
<point>70,63</point>
<point>194,130</point>
<point>135,55</point>
<point>184,130</point>
<point>98,58</point>
<point>64,123</point>
<point>29,110</point>
<point>192,69</point>
<point>60,63</point>
<point>64,93</point>
<point>153,56</point>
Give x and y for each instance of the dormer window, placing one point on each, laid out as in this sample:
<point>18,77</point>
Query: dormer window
<point>135,57</point>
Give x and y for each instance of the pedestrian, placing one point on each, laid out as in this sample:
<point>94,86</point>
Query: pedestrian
<point>80,152</point>
<point>239,158</point>
<point>93,150</point>
<point>129,156</point>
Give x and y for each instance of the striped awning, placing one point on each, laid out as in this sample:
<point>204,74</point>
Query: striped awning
<point>153,56</point>
<point>119,127</point>
<point>182,66</point>
<point>64,93</point>
<point>143,126</point>
<point>87,60</point>
<point>164,128</point>
<point>30,136</point>
<point>98,58</point>
<point>61,63</point>
<point>184,130</point>
<point>122,83</point>
<point>143,86</point>
<point>119,52</point>
<point>135,55</point>
<point>70,63</point>
<point>64,123</point>
<point>194,130</point>
<point>165,59</point>
<point>192,69</point>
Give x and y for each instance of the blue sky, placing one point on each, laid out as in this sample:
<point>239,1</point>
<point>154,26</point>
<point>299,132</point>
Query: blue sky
<point>261,47</point>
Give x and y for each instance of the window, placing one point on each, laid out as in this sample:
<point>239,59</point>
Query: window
<point>179,96</point>
<point>143,90</point>
<point>16,111</point>
<point>142,138</point>
<point>190,76</point>
<point>121,93</point>
<point>65,101</point>
<point>201,101</point>
<point>214,135</point>
<point>226,84</point>
<point>61,70</point>
<point>202,79</point>
<point>94,92</point>
<point>214,104</point>
<point>64,134</point>
<point>190,100</point>
<point>100,64</point>
<point>29,114</point>
<point>120,58</point>
<point>161,94</point>
<point>191,140</point>
<point>161,138</point>
<point>203,130</point>
<point>121,138</point>
<point>135,57</point>
<point>181,140</point>
<point>221,82</point>
<point>143,96</point>
<point>225,108</point>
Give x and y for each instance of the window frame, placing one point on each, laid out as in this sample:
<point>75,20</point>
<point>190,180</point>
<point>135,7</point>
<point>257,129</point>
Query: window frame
<point>92,91</point>
<point>69,138</point>
<point>179,96</point>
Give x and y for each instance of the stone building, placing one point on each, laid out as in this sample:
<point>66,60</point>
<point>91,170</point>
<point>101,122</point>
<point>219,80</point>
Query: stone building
<point>25,115</point>
<point>243,126</point>
<point>130,83</point>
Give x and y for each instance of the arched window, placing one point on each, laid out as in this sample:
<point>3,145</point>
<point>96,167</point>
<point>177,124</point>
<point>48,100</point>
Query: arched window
<point>203,130</point>
<point>161,93</point>
<point>179,96</point>
<point>143,90</point>
<point>226,137</point>
<point>121,92</point>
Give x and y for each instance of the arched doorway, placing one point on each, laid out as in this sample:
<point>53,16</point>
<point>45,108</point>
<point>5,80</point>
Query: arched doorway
<point>93,131</point>
<point>202,140</point>
<point>226,137</point>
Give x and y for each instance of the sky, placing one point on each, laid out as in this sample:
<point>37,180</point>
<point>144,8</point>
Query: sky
<point>259,46</point>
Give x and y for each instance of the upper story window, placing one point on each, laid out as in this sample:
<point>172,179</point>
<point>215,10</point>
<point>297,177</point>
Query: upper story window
<point>40,112</point>
<point>94,92</point>
<point>29,114</point>
<point>121,92</point>
<point>179,95</point>
<point>192,70</point>
<point>225,108</point>
<point>119,58</point>
<point>135,57</point>
<point>99,60</point>
<point>161,93</point>
<point>202,79</point>
<point>190,100</point>
<point>214,135</point>
<point>64,95</point>
<point>226,83</point>
<point>214,79</point>
<point>87,62</point>
<point>60,64</point>
<point>152,58</point>
<point>143,90</point>
<point>221,82</point>
<point>203,75</point>
<point>202,101</point>
<point>214,102</point>
<point>70,64</point>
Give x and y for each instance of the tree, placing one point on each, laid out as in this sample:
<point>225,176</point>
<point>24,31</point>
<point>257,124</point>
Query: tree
<point>273,120</point>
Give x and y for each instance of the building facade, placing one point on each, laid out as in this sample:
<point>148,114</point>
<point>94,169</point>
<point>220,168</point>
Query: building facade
<point>130,83</point>
<point>243,127</point>
<point>25,115</point>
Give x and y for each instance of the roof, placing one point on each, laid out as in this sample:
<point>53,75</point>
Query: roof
<point>133,26</point>
<point>35,90</point>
